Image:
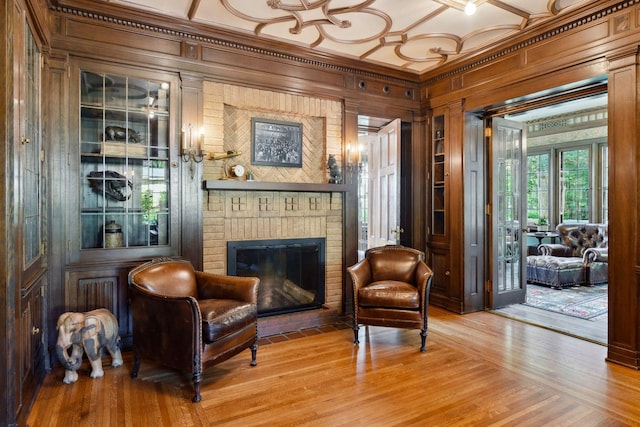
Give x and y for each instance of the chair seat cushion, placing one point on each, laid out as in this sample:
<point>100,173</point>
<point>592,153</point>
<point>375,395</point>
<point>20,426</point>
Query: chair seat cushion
<point>389,294</point>
<point>223,317</point>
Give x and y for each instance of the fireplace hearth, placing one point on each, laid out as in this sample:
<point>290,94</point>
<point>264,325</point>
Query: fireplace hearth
<point>291,272</point>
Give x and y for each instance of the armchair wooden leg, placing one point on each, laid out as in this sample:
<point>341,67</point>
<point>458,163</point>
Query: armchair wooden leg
<point>254,351</point>
<point>356,328</point>
<point>136,366</point>
<point>423,337</point>
<point>196,388</point>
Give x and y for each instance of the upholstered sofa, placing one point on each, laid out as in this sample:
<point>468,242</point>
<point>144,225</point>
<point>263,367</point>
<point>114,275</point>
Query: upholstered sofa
<point>581,257</point>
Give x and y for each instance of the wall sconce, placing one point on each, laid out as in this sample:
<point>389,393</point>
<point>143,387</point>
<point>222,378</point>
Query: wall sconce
<point>354,158</point>
<point>190,152</point>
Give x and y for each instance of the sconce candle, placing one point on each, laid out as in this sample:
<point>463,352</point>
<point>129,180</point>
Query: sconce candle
<point>189,153</point>
<point>183,141</point>
<point>201,141</point>
<point>354,158</point>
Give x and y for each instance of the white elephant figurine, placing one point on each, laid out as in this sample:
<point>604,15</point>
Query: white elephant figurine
<point>91,332</point>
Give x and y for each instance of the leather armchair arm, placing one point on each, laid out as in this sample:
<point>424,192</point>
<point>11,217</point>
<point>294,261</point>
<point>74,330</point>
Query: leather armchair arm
<point>592,255</point>
<point>161,319</point>
<point>217,286</point>
<point>360,274</point>
<point>554,249</point>
<point>422,277</point>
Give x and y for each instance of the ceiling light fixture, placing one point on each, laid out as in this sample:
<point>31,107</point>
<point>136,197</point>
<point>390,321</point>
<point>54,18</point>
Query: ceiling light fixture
<point>470,8</point>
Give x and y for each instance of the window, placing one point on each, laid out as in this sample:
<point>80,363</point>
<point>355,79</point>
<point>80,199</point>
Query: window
<point>538,188</point>
<point>582,192</point>
<point>575,177</point>
<point>604,180</point>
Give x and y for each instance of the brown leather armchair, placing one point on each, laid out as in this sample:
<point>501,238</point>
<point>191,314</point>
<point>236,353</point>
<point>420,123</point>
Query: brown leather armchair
<point>190,320</point>
<point>391,287</point>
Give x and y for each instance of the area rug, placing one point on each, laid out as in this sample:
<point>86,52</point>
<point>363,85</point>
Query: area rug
<point>584,302</point>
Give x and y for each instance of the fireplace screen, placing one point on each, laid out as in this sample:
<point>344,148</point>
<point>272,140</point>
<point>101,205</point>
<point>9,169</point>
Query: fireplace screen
<point>291,272</point>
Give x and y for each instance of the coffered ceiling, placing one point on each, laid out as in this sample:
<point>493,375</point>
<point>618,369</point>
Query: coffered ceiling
<point>411,35</point>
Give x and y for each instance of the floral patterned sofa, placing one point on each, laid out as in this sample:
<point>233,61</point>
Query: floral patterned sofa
<point>581,258</point>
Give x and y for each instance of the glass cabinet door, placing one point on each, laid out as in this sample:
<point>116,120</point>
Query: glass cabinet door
<point>438,208</point>
<point>124,161</point>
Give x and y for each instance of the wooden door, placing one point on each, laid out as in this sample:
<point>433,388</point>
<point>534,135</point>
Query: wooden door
<point>28,214</point>
<point>384,186</point>
<point>508,208</point>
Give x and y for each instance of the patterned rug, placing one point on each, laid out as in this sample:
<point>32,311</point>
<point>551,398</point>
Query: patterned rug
<point>584,302</point>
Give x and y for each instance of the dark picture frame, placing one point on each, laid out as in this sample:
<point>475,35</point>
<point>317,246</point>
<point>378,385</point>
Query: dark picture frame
<point>276,143</point>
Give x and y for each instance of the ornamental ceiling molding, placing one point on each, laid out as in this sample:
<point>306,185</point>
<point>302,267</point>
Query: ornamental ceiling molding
<point>322,4</point>
<point>66,10</point>
<point>536,39</point>
<point>416,36</point>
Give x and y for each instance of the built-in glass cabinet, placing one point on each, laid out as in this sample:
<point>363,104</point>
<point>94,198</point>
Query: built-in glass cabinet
<point>438,179</point>
<point>124,134</point>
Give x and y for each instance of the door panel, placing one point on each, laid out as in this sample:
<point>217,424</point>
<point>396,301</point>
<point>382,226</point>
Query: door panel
<point>384,186</point>
<point>474,214</point>
<point>508,210</point>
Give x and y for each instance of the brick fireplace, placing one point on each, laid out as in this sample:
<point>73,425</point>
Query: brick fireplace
<point>242,212</point>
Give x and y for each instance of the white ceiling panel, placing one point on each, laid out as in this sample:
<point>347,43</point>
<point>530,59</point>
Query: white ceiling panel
<point>408,34</point>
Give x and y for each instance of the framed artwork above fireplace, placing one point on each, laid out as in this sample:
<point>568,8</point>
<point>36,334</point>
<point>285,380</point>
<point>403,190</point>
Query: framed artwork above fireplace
<point>276,143</point>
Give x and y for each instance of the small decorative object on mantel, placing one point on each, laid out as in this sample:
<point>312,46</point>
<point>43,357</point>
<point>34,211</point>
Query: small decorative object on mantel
<point>237,171</point>
<point>335,175</point>
<point>89,332</point>
<point>229,154</point>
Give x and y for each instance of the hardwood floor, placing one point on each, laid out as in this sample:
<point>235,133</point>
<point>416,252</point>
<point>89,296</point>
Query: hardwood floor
<point>479,369</point>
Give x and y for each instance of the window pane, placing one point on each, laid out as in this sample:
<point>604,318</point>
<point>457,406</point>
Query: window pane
<point>31,172</point>
<point>605,183</point>
<point>575,176</point>
<point>538,188</point>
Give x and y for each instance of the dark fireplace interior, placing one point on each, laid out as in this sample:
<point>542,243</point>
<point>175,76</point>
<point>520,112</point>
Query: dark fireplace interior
<point>291,272</point>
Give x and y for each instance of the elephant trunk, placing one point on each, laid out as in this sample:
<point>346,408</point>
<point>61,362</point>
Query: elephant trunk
<point>70,362</point>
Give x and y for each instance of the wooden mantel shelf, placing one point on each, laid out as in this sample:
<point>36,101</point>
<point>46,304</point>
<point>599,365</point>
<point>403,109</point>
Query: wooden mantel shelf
<point>232,184</point>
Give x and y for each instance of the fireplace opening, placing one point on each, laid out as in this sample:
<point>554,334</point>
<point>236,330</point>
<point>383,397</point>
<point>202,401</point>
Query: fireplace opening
<point>291,272</point>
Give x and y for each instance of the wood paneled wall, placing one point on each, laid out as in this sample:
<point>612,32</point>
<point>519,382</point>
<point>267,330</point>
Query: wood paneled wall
<point>602,40</point>
<point>574,48</point>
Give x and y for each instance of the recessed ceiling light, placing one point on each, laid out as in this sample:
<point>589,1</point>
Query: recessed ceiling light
<point>470,8</point>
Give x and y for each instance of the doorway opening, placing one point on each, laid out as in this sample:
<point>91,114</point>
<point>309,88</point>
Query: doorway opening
<point>549,167</point>
<point>380,148</point>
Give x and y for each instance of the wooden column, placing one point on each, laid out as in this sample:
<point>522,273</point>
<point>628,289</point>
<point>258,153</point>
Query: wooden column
<point>455,216</point>
<point>8,357</point>
<point>192,192</point>
<point>419,215</point>
<point>624,239</point>
<point>350,204</point>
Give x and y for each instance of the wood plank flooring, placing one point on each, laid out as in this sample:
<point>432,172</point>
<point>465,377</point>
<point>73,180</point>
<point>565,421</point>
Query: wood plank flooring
<point>480,369</point>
